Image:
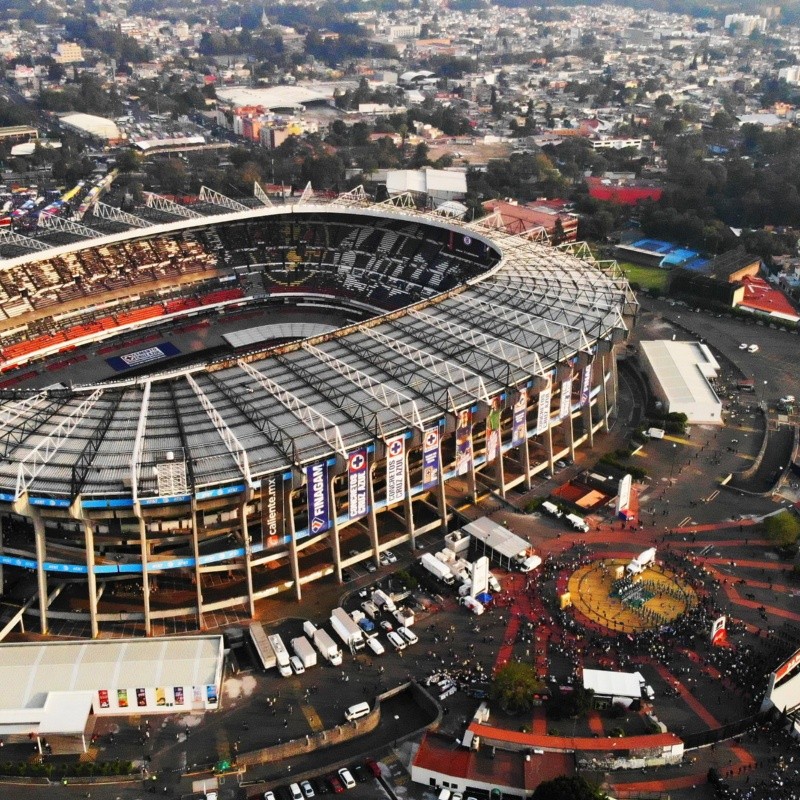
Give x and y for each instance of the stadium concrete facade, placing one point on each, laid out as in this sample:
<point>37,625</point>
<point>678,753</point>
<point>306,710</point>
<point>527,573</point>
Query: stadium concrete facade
<point>472,360</point>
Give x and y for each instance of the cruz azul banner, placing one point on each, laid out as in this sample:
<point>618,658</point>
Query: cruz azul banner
<point>395,470</point>
<point>357,484</point>
<point>566,398</point>
<point>543,417</point>
<point>319,518</point>
<point>430,458</point>
<point>272,521</point>
<point>586,385</point>
<point>520,423</point>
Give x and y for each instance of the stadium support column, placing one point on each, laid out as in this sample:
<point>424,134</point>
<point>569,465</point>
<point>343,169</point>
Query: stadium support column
<point>198,582</point>
<point>603,396</point>
<point>569,434</point>
<point>499,471</point>
<point>525,458</point>
<point>336,549</point>
<point>408,509</point>
<point>548,443</point>
<point>91,578</point>
<point>441,498</point>
<point>248,554</point>
<point>2,575</point>
<point>372,516</point>
<point>587,414</point>
<point>148,625</point>
<point>41,576</point>
<point>293,560</point>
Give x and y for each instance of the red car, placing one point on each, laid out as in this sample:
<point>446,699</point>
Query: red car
<point>373,767</point>
<point>335,784</point>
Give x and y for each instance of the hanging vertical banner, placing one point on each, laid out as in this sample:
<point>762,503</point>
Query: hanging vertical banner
<point>319,518</point>
<point>103,696</point>
<point>543,417</point>
<point>395,470</point>
<point>177,693</point>
<point>566,398</point>
<point>272,518</point>
<point>586,385</point>
<point>430,458</point>
<point>493,431</point>
<point>519,428</point>
<point>464,442</point>
<point>357,484</point>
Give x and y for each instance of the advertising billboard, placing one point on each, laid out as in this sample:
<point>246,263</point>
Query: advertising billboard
<point>319,519</point>
<point>464,442</point>
<point>272,520</point>
<point>543,415</point>
<point>430,458</point>
<point>395,470</point>
<point>357,473</point>
<point>519,424</point>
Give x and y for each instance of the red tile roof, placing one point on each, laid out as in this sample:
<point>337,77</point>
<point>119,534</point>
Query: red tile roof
<point>762,296</point>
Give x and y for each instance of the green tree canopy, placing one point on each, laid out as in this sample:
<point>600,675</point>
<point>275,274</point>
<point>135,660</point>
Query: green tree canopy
<point>514,687</point>
<point>783,529</point>
<point>568,787</point>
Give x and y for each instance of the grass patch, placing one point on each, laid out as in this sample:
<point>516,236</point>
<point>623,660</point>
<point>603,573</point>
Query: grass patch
<point>646,277</point>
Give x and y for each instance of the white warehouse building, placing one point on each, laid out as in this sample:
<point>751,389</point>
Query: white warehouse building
<point>680,375</point>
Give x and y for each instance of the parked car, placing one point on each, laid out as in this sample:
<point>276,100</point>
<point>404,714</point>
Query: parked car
<point>408,635</point>
<point>753,348</point>
<point>374,645</point>
<point>386,625</point>
<point>373,766</point>
<point>370,566</point>
<point>335,784</point>
<point>294,791</point>
<point>346,777</point>
<point>743,346</point>
<point>396,640</point>
<point>308,789</point>
<point>359,773</point>
<point>269,795</point>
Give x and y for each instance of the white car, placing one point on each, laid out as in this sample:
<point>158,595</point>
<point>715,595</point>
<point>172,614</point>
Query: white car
<point>294,790</point>
<point>347,778</point>
<point>396,640</point>
<point>743,346</point>
<point>753,348</point>
<point>408,635</point>
<point>374,645</point>
<point>787,400</point>
<point>390,556</point>
<point>297,665</point>
<point>269,795</point>
<point>308,789</point>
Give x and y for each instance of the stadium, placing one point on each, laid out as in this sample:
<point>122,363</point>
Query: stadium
<point>404,362</point>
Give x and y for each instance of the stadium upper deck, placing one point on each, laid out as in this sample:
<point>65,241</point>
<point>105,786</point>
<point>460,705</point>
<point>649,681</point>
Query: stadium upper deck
<point>486,357</point>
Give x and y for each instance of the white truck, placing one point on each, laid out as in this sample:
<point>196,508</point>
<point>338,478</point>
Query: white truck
<point>370,609</point>
<point>437,568</point>
<point>577,523</point>
<point>526,562</point>
<point>552,509</point>
<point>327,647</point>
<point>404,617</point>
<point>475,606</point>
<point>347,630</point>
<point>281,654</point>
<point>383,601</point>
<point>304,651</point>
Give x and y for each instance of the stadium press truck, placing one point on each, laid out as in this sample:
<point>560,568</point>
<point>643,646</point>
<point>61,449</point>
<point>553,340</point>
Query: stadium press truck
<point>437,568</point>
<point>325,645</point>
<point>281,654</point>
<point>347,630</point>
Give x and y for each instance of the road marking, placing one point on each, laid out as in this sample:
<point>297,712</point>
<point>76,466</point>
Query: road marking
<point>312,718</point>
<point>684,521</point>
<point>679,440</point>
<point>712,496</point>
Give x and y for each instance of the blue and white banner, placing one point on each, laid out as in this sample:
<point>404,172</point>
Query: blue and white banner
<point>543,416</point>
<point>430,458</point>
<point>566,398</point>
<point>586,385</point>
<point>273,527</point>
<point>357,473</point>
<point>319,517</point>
<point>519,427</point>
<point>395,470</point>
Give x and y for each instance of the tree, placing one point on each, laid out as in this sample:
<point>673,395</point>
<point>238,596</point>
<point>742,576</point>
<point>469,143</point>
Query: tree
<point>783,529</point>
<point>568,787</point>
<point>514,687</point>
<point>663,102</point>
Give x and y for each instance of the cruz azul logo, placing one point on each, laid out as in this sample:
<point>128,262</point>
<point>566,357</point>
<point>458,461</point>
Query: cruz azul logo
<point>357,477</point>
<point>317,480</point>
<point>396,448</point>
<point>357,462</point>
<point>431,438</point>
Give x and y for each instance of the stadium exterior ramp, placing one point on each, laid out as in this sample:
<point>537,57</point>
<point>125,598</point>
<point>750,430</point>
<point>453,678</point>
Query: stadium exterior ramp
<point>208,487</point>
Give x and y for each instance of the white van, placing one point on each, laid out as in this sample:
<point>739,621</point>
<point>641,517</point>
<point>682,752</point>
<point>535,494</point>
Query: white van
<point>552,509</point>
<point>578,523</point>
<point>408,635</point>
<point>374,645</point>
<point>297,665</point>
<point>357,711</point>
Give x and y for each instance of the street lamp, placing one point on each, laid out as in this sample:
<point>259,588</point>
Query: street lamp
<point>672,461</point>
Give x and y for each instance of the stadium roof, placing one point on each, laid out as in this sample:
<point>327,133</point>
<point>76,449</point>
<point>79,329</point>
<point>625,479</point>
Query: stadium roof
<point>273,96</point>
<point>209,429</point>
<point>99,127</point>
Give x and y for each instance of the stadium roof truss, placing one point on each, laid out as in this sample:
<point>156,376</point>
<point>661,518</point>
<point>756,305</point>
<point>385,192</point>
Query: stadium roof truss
<point>237,421</point>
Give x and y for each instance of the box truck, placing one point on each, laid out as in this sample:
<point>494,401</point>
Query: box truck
<point>327,647</point>
<point>304,651</point>
<point>437,568</point>
<point>347,630</point>
<point>281,654</point>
